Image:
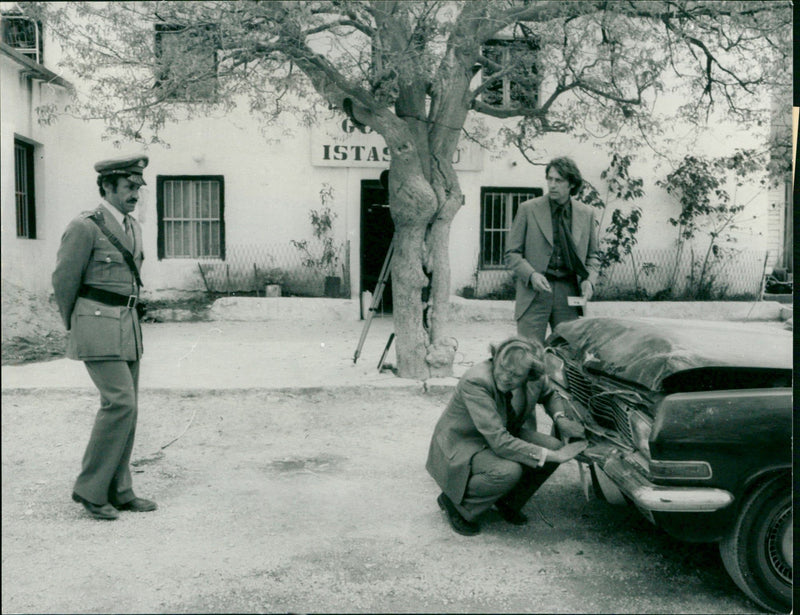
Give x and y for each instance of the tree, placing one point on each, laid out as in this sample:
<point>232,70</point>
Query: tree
<point>706,209</point>
<point>409,70</point>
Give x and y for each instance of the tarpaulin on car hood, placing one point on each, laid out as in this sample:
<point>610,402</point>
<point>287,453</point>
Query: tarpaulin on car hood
<point>647,350</point>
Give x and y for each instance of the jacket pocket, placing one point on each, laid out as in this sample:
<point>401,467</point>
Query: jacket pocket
<point>96,331</point>
<point>106,264</point>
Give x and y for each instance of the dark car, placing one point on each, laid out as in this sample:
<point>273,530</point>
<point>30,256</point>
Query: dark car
<point>691,422</point>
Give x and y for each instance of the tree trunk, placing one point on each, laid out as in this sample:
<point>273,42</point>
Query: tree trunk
<point>412,202</point>
<point>443,347</point>
<point>407,283</point>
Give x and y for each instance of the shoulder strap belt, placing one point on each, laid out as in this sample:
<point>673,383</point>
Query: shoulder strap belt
<point>97,218</point>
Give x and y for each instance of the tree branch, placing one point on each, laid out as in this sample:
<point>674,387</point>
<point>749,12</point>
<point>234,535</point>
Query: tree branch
<point>505,112</point>
<point>340,23</point>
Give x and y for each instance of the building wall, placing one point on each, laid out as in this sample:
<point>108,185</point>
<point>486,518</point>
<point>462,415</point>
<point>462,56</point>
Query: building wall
<point>273,178</point>
<point>27,262</point>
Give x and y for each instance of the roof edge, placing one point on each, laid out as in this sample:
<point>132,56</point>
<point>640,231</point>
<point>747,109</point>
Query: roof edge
<point>34,69</point>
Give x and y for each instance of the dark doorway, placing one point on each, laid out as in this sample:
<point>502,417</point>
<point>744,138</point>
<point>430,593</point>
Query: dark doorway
<point>377,229</point>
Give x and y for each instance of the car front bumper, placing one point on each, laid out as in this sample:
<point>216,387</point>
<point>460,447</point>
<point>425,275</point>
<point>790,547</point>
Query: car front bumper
<point>629,479</point>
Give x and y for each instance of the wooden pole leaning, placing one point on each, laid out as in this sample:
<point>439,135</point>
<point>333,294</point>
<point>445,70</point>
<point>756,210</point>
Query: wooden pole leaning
<point>376,299</point>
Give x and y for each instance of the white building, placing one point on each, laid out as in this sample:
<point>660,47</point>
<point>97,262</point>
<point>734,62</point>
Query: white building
<point>251,193</point>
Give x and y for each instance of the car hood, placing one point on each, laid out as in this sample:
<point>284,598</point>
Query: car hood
<point>648,350</point>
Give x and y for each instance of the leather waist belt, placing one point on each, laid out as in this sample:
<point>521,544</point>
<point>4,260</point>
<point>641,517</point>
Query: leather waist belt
<point>567,275</point>
<point>107,297</point>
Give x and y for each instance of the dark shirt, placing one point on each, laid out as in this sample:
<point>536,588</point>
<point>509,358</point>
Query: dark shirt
<point>559,267</point>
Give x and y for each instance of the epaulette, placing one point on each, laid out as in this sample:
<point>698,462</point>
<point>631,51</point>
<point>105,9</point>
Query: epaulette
<point>95,214</point>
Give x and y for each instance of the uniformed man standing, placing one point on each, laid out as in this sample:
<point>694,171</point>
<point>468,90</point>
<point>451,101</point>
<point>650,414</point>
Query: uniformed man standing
<point>97,283</point>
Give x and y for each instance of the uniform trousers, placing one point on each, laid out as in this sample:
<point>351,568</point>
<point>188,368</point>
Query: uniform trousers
<point>493,478</point>
<point>105,475</point>
<point>549,308</point>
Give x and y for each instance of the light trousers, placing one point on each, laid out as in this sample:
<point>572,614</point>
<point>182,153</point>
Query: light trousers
<point>105,474</point>
<point>549,308</point>
<point>493,478</point>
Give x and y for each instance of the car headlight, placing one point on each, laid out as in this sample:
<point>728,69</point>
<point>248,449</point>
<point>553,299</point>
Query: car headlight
<point>555,368</point>
<point>641,427</point>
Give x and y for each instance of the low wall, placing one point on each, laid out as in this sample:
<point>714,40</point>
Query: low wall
<point>470,309</point>
<point>312,308</point>
<point>283,308</point>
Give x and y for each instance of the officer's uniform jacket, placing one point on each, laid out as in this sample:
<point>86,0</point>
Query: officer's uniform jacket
<point>529,245</point>
<point>98,331</point>
<point>476,418</point>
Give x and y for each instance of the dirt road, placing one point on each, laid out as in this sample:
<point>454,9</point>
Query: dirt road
<point>313,501</point>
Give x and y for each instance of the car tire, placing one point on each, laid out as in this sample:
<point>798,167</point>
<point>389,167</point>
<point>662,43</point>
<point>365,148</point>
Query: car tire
<point>757,552</point>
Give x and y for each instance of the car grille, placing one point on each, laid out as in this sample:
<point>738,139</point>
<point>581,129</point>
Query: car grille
<point>606,406</point>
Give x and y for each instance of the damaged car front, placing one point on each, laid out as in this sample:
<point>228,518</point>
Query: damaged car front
<point>691,422</point>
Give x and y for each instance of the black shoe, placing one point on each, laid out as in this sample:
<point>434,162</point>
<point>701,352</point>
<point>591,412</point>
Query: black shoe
<point>138,505</point>
<point>457,522</point>
<point>105,512</point>
<point>514,517</point>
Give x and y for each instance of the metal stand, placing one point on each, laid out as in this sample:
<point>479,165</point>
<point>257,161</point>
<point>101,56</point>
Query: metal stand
<point>376,301</point>
<point>381,366</point>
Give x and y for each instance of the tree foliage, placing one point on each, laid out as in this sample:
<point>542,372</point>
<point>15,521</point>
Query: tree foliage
<point>414,72</point>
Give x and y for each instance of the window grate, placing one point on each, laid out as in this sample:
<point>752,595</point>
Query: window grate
<point>516,60</point>
<point>498,208</point>
<point>24,189</point>
<point>190,217</point>
<point>23,34</point>
<point>187,64</point>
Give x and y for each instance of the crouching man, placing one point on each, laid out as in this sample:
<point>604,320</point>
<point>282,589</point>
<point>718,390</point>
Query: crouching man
<point>485,450</point>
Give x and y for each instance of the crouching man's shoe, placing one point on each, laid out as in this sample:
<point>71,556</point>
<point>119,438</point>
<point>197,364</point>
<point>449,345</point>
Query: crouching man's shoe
<point>105,512</point>
<point>457,521</point>
<point>510,515</point>
<point>138,505</point>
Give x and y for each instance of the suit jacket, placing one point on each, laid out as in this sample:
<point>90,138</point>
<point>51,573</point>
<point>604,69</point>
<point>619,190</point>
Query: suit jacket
<point>476,418</point>
<point>529,245</point>
<point>97,331</point>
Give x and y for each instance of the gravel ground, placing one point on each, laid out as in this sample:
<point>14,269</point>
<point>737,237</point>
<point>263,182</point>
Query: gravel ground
<point>315,501</point>
<point>290,480</point>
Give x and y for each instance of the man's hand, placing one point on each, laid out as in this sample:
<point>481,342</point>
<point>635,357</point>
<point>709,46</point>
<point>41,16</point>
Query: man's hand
<point>587,289</point>
<point>540,283</point>
<point>569,428</point>
<point>567,452</point>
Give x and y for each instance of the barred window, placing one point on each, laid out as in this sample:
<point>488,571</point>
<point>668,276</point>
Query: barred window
<point>187,62</point>
<point>519,85</point>
<point>24,189</point>
<point>23,34</point>
<point>191,222</point>
<point>498,208</point>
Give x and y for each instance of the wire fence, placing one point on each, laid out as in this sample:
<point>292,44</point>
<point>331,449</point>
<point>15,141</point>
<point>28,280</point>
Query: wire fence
<point>660,274</point>
<point>249,269</point>
<point>644,275</point>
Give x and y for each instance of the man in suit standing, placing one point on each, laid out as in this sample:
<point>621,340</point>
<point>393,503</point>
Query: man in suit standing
<point>552,249</point>
<point>96,283</point>
<point>486,451</point>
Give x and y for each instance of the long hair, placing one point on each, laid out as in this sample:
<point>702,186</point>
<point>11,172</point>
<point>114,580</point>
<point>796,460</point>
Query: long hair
<point>520,351</point>
<point>567,169</point>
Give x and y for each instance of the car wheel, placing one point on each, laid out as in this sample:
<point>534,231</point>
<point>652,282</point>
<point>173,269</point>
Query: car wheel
<point>757,552</point>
